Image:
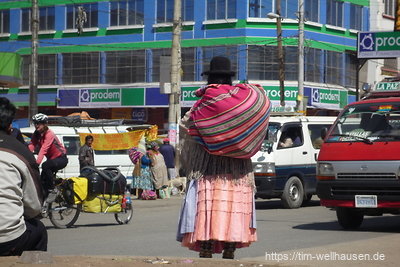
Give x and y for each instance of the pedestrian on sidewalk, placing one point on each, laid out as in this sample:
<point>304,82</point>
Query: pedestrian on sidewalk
<point>142,177</point>
<point>159,170</point>
<point>20,192</point>
<point>86,155</point>
<point>218,213</point>
<point>168,152</point>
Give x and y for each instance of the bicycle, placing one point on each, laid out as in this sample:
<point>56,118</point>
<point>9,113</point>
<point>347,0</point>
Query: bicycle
<point>63,212</point>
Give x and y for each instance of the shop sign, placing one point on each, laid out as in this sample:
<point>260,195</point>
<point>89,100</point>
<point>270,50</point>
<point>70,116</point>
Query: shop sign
<point>139,114</point>
<point>387,86</point>
<point>188,98</point>
<point>327,98</point>
<point>378,44</point>
<point>99,97</point>
<point>274,93</point>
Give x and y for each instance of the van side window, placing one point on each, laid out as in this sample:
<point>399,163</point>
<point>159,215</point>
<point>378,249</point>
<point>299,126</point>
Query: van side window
<point>292,136</point>
<point>71,144</point>
<point>315,134</point>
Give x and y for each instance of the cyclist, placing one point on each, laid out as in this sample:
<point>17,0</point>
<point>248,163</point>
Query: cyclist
<point>46,144</point>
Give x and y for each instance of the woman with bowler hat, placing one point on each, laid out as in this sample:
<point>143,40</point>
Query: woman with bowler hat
<point>218,213</point>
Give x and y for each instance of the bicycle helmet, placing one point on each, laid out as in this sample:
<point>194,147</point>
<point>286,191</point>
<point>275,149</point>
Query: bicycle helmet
<point>40,118</point>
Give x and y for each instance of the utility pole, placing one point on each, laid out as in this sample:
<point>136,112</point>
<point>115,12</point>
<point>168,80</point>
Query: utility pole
<point>33,81</point>
<point>397,16</point>
<point>280,54</point>
<point>174,114</point>
<point>300,105</point>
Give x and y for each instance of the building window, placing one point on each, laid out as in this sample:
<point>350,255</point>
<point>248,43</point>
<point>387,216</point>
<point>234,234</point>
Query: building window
<point>230,52</point>
<point>188,63</point>
<point>262,62</point>
<point>311,10</point>
<point>291,63</point>
<point>127,13</point>
<point>390,67</point>
<point>125,66</point>
<point>165,10</point>
<point>333,68</point>
<point>289,9</point>
<point>312,60</point>
<point>351,71</point>
<point>260,8</point>
<point>91,15</point>
<point>221,9</point>
<point>47,69</point>
<point>46,19</point>
<point>390,7</point>
<point>356,17</point>
<point>334,13</point>
<point>4,21</point>
<point>81,68</point>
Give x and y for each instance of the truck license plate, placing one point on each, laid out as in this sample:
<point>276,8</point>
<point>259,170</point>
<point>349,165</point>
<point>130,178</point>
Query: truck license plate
<point>366,201</point>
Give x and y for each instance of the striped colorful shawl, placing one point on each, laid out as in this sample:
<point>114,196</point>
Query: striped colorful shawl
<point>230,120</point>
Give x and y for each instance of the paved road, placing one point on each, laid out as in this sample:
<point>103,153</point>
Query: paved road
<point>312,229</point>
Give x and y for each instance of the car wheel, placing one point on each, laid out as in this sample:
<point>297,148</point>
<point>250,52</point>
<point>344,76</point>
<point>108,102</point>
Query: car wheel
<point>293,193</point>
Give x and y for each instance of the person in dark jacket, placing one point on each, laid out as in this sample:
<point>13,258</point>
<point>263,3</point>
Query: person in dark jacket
<point>86,156</point>
<point>168,153</point>
<point>21,194</point>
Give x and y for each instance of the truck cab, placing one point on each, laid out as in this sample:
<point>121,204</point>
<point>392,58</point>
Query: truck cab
<point>358,166</point>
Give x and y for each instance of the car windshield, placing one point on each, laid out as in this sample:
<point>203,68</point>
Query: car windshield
<point>270,137</point>
<point>367,123</point>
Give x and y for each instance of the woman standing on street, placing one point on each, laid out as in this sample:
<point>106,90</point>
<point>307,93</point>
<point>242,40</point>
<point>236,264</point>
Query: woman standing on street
<point>158,168</point>
<point>220,133</point>
<point>142,176</point>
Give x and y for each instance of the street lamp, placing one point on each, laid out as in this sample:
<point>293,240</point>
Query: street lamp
<point>278,18</point>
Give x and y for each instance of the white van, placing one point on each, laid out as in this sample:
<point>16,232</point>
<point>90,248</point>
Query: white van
<point>69,136</point>
<point>285,166</point>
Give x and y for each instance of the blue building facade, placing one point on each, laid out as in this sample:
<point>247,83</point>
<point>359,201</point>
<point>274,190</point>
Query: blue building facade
<point>115,60</point>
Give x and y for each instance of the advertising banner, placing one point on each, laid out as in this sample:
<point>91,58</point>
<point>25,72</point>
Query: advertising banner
<point>378,44</point>
<point>326,98</point>
<point>120,141</point>
<point>114,141</point>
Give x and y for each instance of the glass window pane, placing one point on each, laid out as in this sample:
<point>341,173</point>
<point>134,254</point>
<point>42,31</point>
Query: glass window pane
<point>26,18</point>
<point>114,14</point>
<point>125,66</point>
<point>161,5</point>
<point>70,17</point>
<point>211,8</point>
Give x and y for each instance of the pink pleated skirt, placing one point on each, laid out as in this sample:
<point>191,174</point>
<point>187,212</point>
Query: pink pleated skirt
<point>224,214</point>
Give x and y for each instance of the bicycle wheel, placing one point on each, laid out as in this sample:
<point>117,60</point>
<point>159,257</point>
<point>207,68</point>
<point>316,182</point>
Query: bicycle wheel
<point>125,215</point>
<point>63,215</point>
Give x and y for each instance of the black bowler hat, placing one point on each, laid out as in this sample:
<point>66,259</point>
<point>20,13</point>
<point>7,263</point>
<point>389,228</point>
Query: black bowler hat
<point>220,65</point>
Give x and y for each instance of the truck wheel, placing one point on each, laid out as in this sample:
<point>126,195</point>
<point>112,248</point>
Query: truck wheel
<point>349,218</point>
<point>293,193</point>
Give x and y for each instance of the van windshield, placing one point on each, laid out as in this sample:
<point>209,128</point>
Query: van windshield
<point>367,123</point>
<point>270,137</point>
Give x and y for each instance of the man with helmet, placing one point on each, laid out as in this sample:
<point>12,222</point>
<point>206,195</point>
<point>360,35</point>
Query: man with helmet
<point>46,144</point>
